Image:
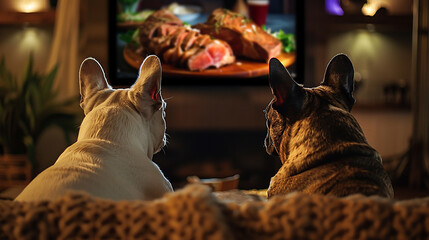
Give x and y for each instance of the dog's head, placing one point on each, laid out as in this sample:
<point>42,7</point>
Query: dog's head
<point>143,98</point>
<point>293,104</point>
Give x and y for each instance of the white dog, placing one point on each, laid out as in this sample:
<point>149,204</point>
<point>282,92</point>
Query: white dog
<point>120,133</point>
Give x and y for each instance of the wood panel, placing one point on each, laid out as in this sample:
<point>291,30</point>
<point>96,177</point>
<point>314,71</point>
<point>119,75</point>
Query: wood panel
<point>8,18</point>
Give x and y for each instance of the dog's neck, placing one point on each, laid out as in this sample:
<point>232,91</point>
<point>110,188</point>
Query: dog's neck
<point>313,143</point>
<point>118,126</point>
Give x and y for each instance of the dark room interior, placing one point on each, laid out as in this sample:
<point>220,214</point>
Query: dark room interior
<point>216,117</point>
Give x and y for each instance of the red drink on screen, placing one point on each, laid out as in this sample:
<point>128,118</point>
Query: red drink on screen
<point>258,10</point>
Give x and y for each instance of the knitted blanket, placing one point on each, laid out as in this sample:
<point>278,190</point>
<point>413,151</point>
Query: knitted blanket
<point>196,213</point>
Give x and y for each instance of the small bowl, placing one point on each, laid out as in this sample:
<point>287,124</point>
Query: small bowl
<point>217,184</point>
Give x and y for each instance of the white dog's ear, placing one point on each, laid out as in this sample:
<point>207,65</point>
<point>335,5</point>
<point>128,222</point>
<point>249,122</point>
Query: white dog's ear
<point>91,78</point>
<point>146,92</point>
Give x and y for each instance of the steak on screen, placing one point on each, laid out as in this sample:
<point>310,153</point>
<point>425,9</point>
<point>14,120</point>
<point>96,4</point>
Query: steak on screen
<point>245,37</point>
<point>164,34</point>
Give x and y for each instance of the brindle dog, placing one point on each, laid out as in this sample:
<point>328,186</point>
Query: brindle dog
<point>321,145</point>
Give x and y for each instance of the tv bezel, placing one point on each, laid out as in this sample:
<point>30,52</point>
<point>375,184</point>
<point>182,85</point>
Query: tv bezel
<point>297,67</point>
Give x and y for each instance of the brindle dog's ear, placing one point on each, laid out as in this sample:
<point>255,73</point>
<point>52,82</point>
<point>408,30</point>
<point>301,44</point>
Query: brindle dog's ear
<point>288,94</point>
<point>340,76</point>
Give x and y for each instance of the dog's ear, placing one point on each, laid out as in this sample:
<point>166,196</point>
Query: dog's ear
<point>289,96</point>
<point>339,75</point>
<point>147,88</point>
<point>91,78</point>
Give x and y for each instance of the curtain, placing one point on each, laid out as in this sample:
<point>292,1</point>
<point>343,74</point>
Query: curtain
<point>65,47</point>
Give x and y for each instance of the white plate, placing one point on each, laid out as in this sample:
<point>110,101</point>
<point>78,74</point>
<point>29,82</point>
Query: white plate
<point>185,12</point>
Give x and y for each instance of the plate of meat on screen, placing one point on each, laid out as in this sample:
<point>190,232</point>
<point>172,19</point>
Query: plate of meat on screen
<point>226,45</point>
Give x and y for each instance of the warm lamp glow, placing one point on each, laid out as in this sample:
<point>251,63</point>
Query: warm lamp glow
<point>369,9</point>
<point>30,5</point>
<point>29,38</point>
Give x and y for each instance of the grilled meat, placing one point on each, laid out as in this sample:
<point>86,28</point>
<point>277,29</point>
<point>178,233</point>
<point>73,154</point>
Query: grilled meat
<point>163,34</point>
<point>245,37</point>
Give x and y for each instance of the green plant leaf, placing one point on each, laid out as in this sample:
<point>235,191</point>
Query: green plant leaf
<point>131,36</point>
<point>287,39</point>
<point>48,82</point>
<point>30,106</point>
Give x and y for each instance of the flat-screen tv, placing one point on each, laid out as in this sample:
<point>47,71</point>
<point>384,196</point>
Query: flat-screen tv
<point>284,16</point>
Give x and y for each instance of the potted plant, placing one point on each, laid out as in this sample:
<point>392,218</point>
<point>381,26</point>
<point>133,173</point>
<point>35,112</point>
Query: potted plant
<point>129,6</point>
<point>27,108</point>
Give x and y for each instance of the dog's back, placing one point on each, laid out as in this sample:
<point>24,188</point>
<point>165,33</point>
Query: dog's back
<point>321,145</point>
<point>328,154</point>
<point>121,131</point>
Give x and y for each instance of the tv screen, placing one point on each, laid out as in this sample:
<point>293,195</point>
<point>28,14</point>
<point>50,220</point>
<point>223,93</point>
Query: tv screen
<point>126,52</point>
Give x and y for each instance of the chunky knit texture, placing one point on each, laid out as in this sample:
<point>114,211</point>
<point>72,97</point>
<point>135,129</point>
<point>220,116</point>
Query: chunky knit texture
<point>195,213</point>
